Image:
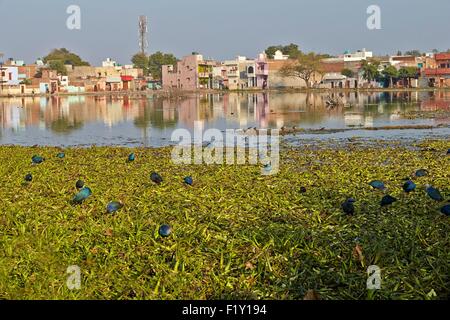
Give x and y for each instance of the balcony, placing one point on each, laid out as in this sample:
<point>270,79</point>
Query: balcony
<point>203,74</point>
<point>232,73</point>
<point>263,72</point>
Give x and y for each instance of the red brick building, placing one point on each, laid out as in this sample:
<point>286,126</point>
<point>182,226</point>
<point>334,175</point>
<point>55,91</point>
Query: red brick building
<point>439,74</point>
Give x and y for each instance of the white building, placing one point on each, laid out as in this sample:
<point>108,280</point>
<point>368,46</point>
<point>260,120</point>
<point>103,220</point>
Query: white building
<point>280,56</point>
<point>359,55</point>
<point>109,63</point>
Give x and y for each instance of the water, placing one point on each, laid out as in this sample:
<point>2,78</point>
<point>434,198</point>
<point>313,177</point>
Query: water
<point>150,121</point>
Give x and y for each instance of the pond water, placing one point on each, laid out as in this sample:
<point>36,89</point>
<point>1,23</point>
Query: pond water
<point>151,120</point>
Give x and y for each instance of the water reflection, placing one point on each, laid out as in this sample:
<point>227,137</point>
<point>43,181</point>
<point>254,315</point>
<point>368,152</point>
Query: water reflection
<point>86,120</point>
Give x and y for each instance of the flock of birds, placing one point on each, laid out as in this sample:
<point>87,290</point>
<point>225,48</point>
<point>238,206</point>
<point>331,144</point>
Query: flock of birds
<point>409,186</point>
<point>85,192</point>
<point>165,230</point>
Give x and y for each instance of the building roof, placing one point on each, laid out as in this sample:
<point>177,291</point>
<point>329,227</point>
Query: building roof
<point>442,56</point>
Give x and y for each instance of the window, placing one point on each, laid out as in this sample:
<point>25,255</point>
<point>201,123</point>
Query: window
<point>10,76</point>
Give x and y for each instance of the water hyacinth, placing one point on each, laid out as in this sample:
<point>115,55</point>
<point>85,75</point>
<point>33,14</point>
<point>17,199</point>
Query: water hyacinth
<point>81,196</point>
<point>236,222</point>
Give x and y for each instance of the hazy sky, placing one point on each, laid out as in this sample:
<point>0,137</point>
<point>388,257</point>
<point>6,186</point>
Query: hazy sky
<point>220,29</point>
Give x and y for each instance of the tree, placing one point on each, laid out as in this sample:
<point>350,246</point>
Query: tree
<point>157,60</point>
<point>65,56</point>
<point>407,73</point>
<point>390,73</point>
<point>140,61</point>
<point>348,73</point>
<point>58,66</point>
<point>370,71</point>
<point>415,53</point>
<point>305,66</point>
<point>292,50</point>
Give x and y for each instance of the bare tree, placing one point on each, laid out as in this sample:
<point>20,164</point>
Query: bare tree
<point>304,67</point>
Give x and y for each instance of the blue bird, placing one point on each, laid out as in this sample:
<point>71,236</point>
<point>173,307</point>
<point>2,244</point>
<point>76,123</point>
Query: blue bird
<point>156,178</point>
<point>446,210</point>
<point>421,173</point>
<point>387,200</point>
<point>28,177</point>
<point>188,181</point>
<point>376,184</point>
<point>268,168</point>
<point>131,157</point>
<point>114,206</point>
<point>79,184</point>
<point>37,159</point>
<point>348,206</point>
<point>82,195</point>
<point>61,155</point>
<point>165,230</point>
<point>434,193</point>
<point>409,186</point>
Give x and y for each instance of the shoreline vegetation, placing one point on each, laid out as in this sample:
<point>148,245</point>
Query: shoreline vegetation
<point>286,237</point>
<point>179,92</point>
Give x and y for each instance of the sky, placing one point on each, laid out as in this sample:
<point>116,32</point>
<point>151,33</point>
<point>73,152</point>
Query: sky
<point>220,29</point>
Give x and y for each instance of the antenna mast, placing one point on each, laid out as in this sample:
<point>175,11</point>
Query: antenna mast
<point>143,31</point>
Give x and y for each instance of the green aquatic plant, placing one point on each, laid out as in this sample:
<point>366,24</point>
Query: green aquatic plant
<point>237,234</point>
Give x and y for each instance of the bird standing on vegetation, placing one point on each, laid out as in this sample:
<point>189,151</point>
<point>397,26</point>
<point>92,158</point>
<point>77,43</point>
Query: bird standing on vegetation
<point>28,177</point>
<point>189,181</point>
<point>156,178</point>
<point>446,210</point>
<point>434,193</point>
<point>165,231</point>
<point>376,184</point>
<point>37,159</point>
<point>131,157</point>
<point>387,200</point>
<point>409,186</point>
<point>61,155</point>
<point>114,206</point>
<point>79,184</point>
<point>82,195</point>
<point>348,206</point>
<point>421,173</point>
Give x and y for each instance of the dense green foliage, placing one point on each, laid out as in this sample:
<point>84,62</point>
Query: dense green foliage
<point>65,57</point>
<point>235,233</point>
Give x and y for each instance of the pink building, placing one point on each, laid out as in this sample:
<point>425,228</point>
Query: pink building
<point>262,71</point>
<point>191,73</point>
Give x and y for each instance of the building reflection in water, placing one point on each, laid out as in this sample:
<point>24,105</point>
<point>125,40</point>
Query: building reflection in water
<point>65,115</point>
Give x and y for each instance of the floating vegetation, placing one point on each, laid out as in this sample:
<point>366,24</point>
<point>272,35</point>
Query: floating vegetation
<point>237,234</point>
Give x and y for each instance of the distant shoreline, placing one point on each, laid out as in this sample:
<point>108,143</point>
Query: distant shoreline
<point>177,92</point>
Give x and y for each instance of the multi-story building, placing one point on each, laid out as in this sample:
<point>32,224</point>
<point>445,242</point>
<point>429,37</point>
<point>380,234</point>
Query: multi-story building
<point>438,73</point>
<point>191,73</point>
